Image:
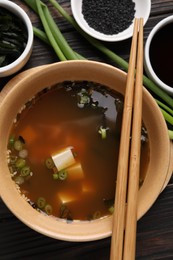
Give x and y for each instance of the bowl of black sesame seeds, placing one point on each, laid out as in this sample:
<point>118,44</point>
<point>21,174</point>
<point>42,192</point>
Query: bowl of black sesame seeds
<point>109,20</point>
<point>16,38</point>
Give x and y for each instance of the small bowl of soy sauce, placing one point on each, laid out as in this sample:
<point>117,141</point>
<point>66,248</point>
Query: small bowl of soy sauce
<point>16,38</point>
<point>158,57</point>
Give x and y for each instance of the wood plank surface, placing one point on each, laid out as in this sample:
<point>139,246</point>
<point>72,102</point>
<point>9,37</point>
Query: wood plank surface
<point>154,230</point>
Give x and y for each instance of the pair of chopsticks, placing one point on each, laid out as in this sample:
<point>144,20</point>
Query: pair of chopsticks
<point>123,242</point>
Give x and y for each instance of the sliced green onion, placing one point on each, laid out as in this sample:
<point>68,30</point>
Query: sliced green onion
<point>20,163</point>
<point>84,99</point>
<point>55,176</point>
<point>48,209</point>
<point>63,175</point>
<point>49,163</point>
<point>18,145</point>
<point>102,131</point>
<point>41,202</point>
<point>25,171</point>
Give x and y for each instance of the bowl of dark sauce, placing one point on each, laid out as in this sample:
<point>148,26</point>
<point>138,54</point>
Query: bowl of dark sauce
<point>16,38</point>
<point>159,54</point>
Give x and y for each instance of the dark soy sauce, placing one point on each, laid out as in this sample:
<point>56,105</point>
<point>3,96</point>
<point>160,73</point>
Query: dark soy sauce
<point>161,54</point>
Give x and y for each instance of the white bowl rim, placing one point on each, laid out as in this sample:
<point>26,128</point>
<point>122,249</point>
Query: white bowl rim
<point>16,9</point>
<point>109,38</point>
<point>147,63</point>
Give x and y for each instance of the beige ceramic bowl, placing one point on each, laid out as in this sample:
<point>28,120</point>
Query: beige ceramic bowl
<point>21,89</point>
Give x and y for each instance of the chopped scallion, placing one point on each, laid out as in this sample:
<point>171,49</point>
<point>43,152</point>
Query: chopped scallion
<point>103,132</point>
<point>20,163</point>
<point>49,163</point>
<point>63,175</point>
<point>48,209</point>
<point>18,145</point>
<point>55,176</point>
<point>25,171</point>
<point>41,202</point>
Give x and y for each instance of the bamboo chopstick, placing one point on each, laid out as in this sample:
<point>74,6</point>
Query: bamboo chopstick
<point>119,218</point>
<point>134,168</point>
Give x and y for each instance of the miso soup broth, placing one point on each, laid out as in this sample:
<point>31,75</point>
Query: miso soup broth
<point>63,150</point>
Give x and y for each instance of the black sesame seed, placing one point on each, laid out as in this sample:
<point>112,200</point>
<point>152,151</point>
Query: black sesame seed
<point>108,16</point>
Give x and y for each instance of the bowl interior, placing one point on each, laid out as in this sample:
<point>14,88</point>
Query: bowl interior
<point>24,87</point>
<point>147,61</point>
<point>17,64</point>
<point>142,11</point>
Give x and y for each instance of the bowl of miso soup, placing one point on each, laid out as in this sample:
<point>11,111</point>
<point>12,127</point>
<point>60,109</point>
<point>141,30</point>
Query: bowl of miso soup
<point>60,128</point>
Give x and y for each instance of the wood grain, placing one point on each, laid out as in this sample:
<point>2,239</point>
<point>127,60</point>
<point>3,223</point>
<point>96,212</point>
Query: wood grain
<point>154,230</point>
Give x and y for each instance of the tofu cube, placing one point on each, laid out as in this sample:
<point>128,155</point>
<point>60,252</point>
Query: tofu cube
<point>64,158</point>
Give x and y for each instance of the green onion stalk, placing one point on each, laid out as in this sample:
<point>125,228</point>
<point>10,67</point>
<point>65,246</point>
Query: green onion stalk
<point>54,38</point>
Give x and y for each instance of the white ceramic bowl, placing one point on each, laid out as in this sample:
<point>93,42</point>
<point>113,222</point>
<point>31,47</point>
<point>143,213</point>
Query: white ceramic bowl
<point>147,62</point>
<point>22,88</point>
<point>23,58</point>
<point>142,7</point>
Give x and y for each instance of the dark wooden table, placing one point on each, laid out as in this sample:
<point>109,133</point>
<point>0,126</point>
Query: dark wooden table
<point>154,230</point>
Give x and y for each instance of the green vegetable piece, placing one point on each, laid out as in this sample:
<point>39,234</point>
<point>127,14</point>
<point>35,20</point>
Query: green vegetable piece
<point>41,203</point>
<point>63,175</point>
<point>19,180</point>
<point>11,140</point>
<point>20,163</point>
<point>84,99</point>
<point>25,171</point>
<point>49,163</point>
<point>18,145</point>
<point>55,176</point>
<point>111,209</point>
<point>48,209</point>
<point>103,131</point>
